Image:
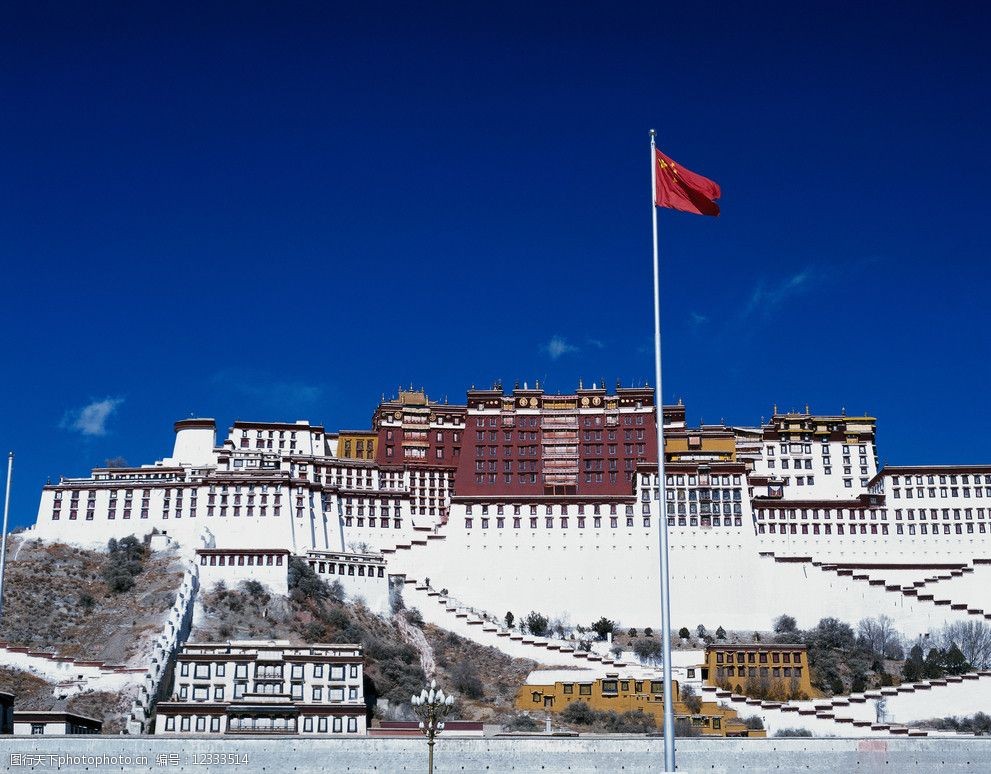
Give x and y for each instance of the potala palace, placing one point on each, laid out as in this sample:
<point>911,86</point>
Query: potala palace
<point>525,500</point>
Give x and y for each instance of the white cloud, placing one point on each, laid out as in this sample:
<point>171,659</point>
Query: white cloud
<point>697,319</point>
<point>558,346</point>
<point>92,418</point>
<point>765,297</point>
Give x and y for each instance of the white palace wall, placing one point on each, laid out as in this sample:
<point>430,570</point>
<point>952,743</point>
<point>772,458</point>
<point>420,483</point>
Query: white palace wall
<point>718,578</point>
<point>574,574</point>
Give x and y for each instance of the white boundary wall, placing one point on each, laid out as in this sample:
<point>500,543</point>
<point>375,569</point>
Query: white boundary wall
<point>548,755</point>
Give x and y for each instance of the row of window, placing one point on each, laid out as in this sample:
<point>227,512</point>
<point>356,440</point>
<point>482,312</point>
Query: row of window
<point>817,529</point>
<point>349,521</point>
<point>329,568</point>
<point>269,688</point>
<point>967,512</point>
<point>696,495</point>
<point>826,529</point>
<point>703,509</point>
<point>943,479</point>
<point>826,513</point>
<point>759,657</point>
<point>699,479</point>
<point>952,491</point>
<point>753,672</point>
<point>500,522</point>
<point>705,521</point>
<point>320,724</point>
<point>531,421</point>
<point>806,448</point>
<point>242,560</point>
<point>500,509</point>
<point>202,670</point>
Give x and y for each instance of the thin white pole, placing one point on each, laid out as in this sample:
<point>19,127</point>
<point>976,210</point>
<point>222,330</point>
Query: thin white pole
<point>3,538</point>
<point>662,527</point>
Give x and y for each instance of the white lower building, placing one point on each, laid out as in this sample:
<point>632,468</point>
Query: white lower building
<point>266,687</point>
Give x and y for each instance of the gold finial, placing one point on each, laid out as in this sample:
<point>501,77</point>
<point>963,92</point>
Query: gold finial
<point>775,408</point>
<point>807,409</point>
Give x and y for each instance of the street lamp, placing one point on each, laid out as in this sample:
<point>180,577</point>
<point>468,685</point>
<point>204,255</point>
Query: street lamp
<point>431,706</point>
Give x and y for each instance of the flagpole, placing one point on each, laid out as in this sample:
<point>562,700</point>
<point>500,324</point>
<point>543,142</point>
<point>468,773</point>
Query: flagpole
<point>3,537</point>
<point>662,530</point>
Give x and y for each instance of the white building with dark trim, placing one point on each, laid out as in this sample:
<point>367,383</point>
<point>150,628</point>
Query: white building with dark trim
<point>266,687</point>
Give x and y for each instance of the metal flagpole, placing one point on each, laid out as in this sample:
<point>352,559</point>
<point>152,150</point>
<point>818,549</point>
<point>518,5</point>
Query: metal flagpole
<point>662,531</point>
<point>3,537</point>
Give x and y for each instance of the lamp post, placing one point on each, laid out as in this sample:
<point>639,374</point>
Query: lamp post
<point>432,706</point>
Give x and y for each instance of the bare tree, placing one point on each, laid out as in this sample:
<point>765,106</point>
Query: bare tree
<point>879,634</point>
<point>973,638</point>
<point>880,709</point>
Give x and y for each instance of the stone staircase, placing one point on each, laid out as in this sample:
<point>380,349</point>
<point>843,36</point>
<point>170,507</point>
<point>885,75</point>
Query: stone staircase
<point>854,715</point>
<point>444,611</point>
<point>924,591</point>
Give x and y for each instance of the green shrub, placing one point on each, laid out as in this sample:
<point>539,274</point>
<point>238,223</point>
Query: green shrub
<point>785,624</point>
<point>603,627</point>
<point>691,699</point>
<point>580,713</point>
<point>632,722</point>
<point>647,649</point>
<point>303,582</point>
<point>536,624</point>
<point>125,560</point>
<point>253,588</point>
<point>465,680</point>
<point>792,732</point>
<point>523,722</point>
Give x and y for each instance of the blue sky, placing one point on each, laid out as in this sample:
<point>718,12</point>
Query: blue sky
<point>283,212</point>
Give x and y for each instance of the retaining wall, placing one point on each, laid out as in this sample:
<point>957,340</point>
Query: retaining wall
<point>547,755</point>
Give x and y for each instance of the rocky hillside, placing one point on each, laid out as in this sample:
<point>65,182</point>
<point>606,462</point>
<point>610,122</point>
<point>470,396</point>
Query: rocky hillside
<point>484,679</point>
<point>57,598</point>
<point>33,693</point>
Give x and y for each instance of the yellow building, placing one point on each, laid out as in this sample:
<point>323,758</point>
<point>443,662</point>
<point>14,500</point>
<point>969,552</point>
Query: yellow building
<point>763,670</point>
<point>704,444</point>
<point>356,444</point>
<point>554,690</point>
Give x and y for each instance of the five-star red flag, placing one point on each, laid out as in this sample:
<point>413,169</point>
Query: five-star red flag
<point>682,189</point>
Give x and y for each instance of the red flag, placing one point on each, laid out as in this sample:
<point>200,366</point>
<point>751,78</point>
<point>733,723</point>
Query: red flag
<point>681,189</point>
